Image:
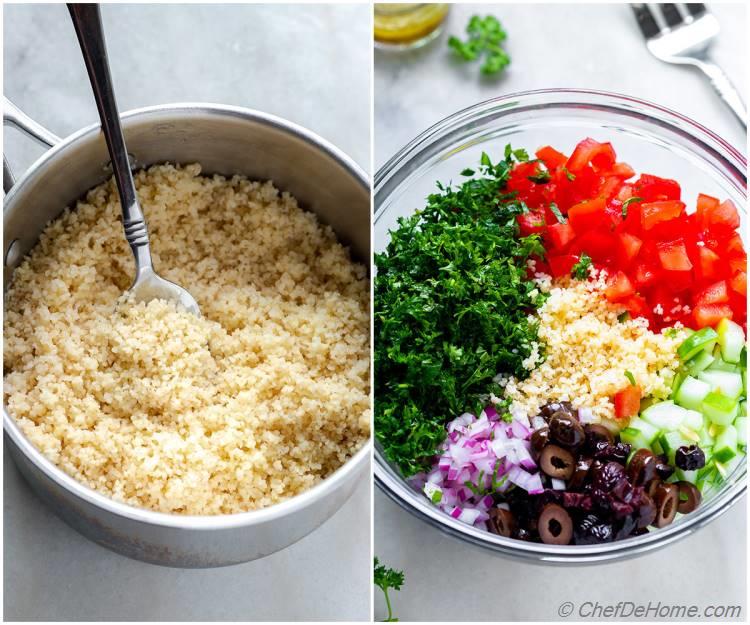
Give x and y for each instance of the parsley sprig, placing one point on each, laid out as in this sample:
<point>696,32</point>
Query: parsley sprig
<point>452,303</point>
<point>386,579</point>
<point>485,38</point>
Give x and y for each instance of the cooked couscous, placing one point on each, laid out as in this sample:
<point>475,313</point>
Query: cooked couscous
<point>256,401</point>
<point>588,350</point>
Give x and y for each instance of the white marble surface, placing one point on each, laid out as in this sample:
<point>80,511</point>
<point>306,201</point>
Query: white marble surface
<point>584,46</point>
<point>280,59</point>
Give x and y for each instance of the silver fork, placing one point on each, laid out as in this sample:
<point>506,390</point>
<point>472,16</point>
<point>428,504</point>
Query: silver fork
<point>682,34</point>
<point>148,284</point>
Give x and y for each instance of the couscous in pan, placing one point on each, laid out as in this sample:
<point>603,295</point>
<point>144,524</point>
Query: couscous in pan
<point>233,147</point>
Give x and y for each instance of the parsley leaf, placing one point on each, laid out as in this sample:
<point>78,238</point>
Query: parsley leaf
<point>581,269</point>
<point>542,177</point>
<point>451,311</point>
<point>556,212</point>
<point>385,579</point>
<point>467,172</point>
<point>485,37</point>
<point>570,176</point>
<point>630,377</point>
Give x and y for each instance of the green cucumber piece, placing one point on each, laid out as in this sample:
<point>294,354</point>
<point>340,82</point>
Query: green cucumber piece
<point>704,338</point>
<point>686,476</point>
<point>691,392</point>
<point>740,424</point>
<point>670,442</point>
<point>720,409</point>
<point>743,408</point>
<point>664,415</point>
<point>719,364</point>
<point>728,384</point>
<point>731,340</point>
<point>693,420</point>
<point>701,361</point>
<point>646,431</point>
<point>726,445</point>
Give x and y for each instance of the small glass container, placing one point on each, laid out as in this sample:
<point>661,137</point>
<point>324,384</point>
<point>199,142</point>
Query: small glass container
<point>403,26</point>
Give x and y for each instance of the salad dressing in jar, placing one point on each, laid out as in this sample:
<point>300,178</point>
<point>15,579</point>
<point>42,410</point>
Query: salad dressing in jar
<point>402,25</point>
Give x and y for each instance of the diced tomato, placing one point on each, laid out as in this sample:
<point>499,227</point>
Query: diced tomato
<point>710,314</point>
<point>738,283</point>
<point>600,155</point>
<point>610,187</point>
<point>714,216</point>
<point>637,306</point>
<point>653,213</point>
<point>717,293</point>
<point>561,265</point>
<point>655,189</point>
<point>587,215</point>
<point>738,263</point>
<point>627,402</point>
<point>733,245</point>
<point>709,264</point>
<point>628,246</point>
<point>619,287</point>
<point>677,281</point>
<point>673,255</point>
<point>531,223</point>
<point>560,235</point>
<point>551,158</point>
<point>600,245</point>
<point>644,275</point>
<point>622,170</point>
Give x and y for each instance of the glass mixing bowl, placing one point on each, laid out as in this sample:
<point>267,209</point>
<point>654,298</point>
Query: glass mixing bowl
<point>651,139</point>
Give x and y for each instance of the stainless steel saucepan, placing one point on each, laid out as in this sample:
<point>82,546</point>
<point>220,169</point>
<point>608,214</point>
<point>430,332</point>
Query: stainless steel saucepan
<point>226,140</point>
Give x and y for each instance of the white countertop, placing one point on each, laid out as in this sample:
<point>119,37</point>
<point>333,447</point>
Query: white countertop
<point>307,64</point>
<point>587,46</point>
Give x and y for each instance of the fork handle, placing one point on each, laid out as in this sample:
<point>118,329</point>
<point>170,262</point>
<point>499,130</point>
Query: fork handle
<point>726,90</point>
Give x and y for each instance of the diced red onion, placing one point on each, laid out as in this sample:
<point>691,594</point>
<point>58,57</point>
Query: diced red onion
<point>558,484</point>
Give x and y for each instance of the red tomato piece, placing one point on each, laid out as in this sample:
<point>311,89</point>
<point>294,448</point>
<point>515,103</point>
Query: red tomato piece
<point>561,265</point>
<point>717,293</point>
<point>619,287</point>
<point>628,246</point>
<point>712,215</point>
<point>654,189</point>
<point>677,281</point>
<point>710,314</point>
<point>637,306</point>
<point>551,158</point>
<point>738,263</point>
<point>653,213</point>
<point>627,402</point>
<point>587,215</point>
<point>531,223</point>
<point>622,170</point>
<point>644,275</point>
<point>600,155</point>
<point>600,245</point>
<point>673,255</point>
<point>738,283</point>
<point>560,235</point>
<point>709,264</point>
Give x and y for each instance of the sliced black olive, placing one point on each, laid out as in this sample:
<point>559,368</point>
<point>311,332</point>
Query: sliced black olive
<point>645,511</point>
<point>555,525</point>
<point>501,522</point>
<point>663,468</point>
<point>557,462</point>
<point>689,458</point>
<point>642,467</point>
<point>666,498</point>
<point>690,497</point>
<point>539,439</point>
<point>651,486</point>
<point>580,473</point>
<point>565,430</point>
<point>595,432</point>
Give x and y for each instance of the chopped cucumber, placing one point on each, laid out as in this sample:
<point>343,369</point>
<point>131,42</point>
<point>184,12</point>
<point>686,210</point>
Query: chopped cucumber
<point>726,445</point>
<point>703,360</point>
<point>720,409</point>
<point>642,430</point>
<point>719,364</point>
<point>704,338</point>
<point>686,476</point>
<point>740,424</point>
<point>728,384</point>
<point>743,408</point>
<point>691,392</point>
<point>664,415</point>
<point>731,340</point>
<point>693,420</point>
<point>670,442</point>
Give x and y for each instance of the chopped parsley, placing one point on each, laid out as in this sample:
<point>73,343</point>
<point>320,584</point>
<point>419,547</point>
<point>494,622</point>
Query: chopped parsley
<point>542,177</point>
<point>630,377</point>
<point>556,212</point>
<point>623,316</point>
<point>569,175</point>
<point>581,269</point>
<point>485,36</point>
<point>452,303</point>
<point>386,579</point>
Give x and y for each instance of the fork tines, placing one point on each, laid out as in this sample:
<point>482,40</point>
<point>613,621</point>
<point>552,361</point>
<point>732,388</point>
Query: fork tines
<point>670,13</point>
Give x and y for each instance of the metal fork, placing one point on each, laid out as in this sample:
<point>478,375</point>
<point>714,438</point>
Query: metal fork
<point>682,34</point>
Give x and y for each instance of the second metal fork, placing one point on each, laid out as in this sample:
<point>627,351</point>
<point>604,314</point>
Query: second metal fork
<point>684,38</point>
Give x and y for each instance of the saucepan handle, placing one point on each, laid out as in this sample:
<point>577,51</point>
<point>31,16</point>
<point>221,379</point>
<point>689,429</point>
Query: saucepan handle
<point>13,116</point>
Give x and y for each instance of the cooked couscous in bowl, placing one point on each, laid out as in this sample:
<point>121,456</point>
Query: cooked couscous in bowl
<point>259,399</point>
